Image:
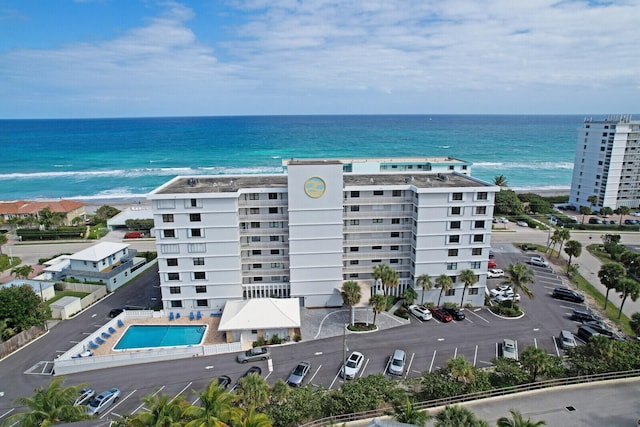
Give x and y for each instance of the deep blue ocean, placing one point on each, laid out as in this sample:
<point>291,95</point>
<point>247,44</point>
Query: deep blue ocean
<point>124,158</point>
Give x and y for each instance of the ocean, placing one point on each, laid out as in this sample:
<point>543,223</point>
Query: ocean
<point>127,158</point>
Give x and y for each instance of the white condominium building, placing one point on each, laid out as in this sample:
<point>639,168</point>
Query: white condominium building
<point>607,163</point>
<point>304,232</point>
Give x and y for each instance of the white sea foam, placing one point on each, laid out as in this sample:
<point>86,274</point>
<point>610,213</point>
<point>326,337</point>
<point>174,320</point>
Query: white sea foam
<point>523,165</point>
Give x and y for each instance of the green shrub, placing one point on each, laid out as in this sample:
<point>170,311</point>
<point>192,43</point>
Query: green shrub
<point>402,312</point>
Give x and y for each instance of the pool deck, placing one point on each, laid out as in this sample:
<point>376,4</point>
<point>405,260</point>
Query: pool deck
<point>213,336</point>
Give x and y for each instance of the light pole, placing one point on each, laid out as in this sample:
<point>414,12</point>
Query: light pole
<point>344,351</point>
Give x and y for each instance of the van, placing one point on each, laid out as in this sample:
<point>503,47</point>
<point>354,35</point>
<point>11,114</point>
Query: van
<point>566,339</point>
<point>134,235</point>
<point>585,333</point>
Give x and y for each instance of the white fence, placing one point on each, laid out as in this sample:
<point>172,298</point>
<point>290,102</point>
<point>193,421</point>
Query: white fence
<point>72,361</point>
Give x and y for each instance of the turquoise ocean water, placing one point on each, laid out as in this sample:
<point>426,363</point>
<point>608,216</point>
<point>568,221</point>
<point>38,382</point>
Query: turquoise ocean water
<point>124,158</point>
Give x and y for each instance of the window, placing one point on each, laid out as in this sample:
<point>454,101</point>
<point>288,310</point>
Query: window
<point>176,304</point>
<point>273,210</point>
<point>454,225</point>
<point>166,249</point>
<point>355,194</point>
<point>172,262</point>
<point>275,251</point>
<point>257,279</point>
<point>476,264</point>
<point>456,196</point>
<point>354,222</point>
<point>256,265</point>
<point>454,238</point>
<point>452,266</point>
<point>473,291</point>
<point>450,292</point>
<point>478,238</point>
<point>196,232</point>
<point>201,289</point>
<point>174,289</point>
<point>255,225</point>
<point>393,261</point>
<point>482,195</point>
<point>476,251</point>
<point>195,217</point>
<point>254,211</point>
<point>199,275</point>
<point>168,233</point>
<point>378,192</point>
<point>255,238</point>
<point>396,193</point>
<point>274,238</point>
<point>173,276</point>
<point>274,224</point>
<point>452,252</point>
<point>376,248</point>
<point>377,220</point>
<point>194,203</point>
<point>353,275</point>
<point>354,249</point>
<point>166,204</point>
<point>355,208</point>
<point>395,234</point>
<point>395,220</point>
<point>276,265</point>
<point>256,252</point>
<point>273,196</point>
<point>376,261</point>
<point>354,262</point>
<point>481,210</point>
<point>456,210</point>
<point>254,196</point>
<point>395,248</point>
<point>478,224</point>
<point>167,217</point>
<point>196,248</point>
<point>202,303</point>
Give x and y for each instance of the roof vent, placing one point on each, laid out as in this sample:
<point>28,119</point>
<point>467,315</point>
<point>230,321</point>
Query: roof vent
<point>192,181</point>
<point>443,177</point>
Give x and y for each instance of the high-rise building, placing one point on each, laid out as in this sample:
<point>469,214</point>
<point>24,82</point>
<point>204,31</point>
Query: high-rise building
<point>607,163</point>
<point>322,222</point>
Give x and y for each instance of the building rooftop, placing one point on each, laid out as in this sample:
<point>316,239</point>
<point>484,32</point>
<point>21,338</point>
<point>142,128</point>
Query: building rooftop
<point>99,251</point>
<point>419,180</point>
<point>25,207</point>
<point>433,160</point>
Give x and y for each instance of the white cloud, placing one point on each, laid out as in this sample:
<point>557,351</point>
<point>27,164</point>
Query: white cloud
<point>346,57</point>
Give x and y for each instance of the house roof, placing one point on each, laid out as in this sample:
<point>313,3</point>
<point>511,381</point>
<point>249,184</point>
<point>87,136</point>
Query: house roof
<point>25,207</point>
<point>64,301</point>
<point>99,251</point>
<point>261,313</point>
<point>35,284</point>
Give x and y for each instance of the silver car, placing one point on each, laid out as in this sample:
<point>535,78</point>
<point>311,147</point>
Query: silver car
<point>256,353</point>
<point>396,365</point>
<point>84,396</point>
<point>509,349</point>
<point>103,401</point>
<point>297,375</point>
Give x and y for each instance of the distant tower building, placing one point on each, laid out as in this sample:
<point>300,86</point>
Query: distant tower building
<point>607,163</point>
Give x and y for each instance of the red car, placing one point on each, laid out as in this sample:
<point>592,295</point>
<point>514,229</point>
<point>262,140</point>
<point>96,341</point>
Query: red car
<point>440,314</point>
<point>492,264</point>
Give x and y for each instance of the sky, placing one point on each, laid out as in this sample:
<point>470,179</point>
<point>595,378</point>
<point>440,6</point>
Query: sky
<point>144,58</point>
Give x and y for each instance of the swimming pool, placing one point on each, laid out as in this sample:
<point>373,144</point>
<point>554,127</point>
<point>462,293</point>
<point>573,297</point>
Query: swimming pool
<point>154,336</point>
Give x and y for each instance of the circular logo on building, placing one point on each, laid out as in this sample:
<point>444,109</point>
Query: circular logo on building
<point>315,187</point>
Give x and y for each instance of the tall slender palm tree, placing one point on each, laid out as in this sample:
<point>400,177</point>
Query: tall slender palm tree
<point>351,295</point>
<point>500,181</point>
<point>468,278</point>
<point>518,276</point>
<point>162,411</point>
<point>3,241</point>
<point>424,280</point>
<point>49,406</point>
<point>217,406</point>
<point>445,283</point>
<point>564,234</point>
<point>573,248</point>
<point>622,211</point>
<point>593,200</point>
<point>379,273</point>
<point>627,287</point>
<point>22,271</point>
<point>378,303</point>
<point>609,274</point>
<point>517,420</point>
<point>461,369</point>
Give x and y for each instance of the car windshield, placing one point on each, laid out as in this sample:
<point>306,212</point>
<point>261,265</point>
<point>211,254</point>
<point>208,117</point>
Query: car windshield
<point>351,363</point>
<point>397,362</point>
<point>299,370</point>
<point>95,402</point>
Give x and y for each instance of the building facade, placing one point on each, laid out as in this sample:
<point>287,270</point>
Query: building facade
<point>607,163</point>
<point>305,232</point>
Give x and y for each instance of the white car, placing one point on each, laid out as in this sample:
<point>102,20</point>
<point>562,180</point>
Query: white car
<point>538,261</point>
<point>102,401</point>
<point>507,296</point>
<point>351,368</point>
<point>509,350</point>
<point>522,224</point>
<point>420,312</point>
<point>499,290</point>
<point>493,273</point>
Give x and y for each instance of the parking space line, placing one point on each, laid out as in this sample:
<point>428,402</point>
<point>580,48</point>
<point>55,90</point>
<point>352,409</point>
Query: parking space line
<point>181,391</point>
<point>409,366</point>
<point>7,413</point>
<point>496,349</point>
<point>268,375</point>
<point>475,356</point>
<point>516,344</point>
<point>315,373</point>
<point>433,359</point>
<point>117,404</point>
<point>364,368</point>
<point>535,342</point>
<point>476,314</point>
<point>142,404</point>
<point>555,344</point>
<point>455,353</point>
<point>335,378</point>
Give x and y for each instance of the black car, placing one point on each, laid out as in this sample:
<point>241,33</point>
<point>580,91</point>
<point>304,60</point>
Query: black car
<point>116,311</point>
<point>252,370</point>
<point>455,312</point>
<point>584,316</point>
<point>567,294</point>
<point>601,328</point>
<point>224,381</point>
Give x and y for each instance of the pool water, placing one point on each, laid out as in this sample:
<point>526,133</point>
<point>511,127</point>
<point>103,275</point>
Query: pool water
<point>153,336</point>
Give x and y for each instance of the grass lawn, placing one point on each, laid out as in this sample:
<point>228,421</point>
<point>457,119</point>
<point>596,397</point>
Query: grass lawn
<point>63,294</point>
<point>6,264</point>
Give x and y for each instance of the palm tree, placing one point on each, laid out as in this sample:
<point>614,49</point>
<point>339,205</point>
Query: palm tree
<point>445,283</point>
<point>622,211</point>
<point>252,390</point>
<point>6,331</point>
<point>409,296</point>
<point>536,361</point>
<point>378,303</point>
<point>49,406</point>
<point>461,369</point>
<point>609,275</point>
<point>3,241</point>
<point>627,287</point>
<point>280,391</point>
<point>251,418</point>
<point>606,211</point>
<point>593,200</point>
<point>573,248</point>
<point>392,280</point>
<point>22,271</point>
<point>517,420</point>
<point>518,276</point>
<point>564,235</point>
<point>468,278</point>
<point>162,411</point>
<point>585,210</point>
<point>380,273</point>
<point>217,406</point>
<point>424,280</point>
<point>554,240</point>
<point>408,414</point>
<point>456,416</point>
<point>351,295</point>
<point>500,181</point>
